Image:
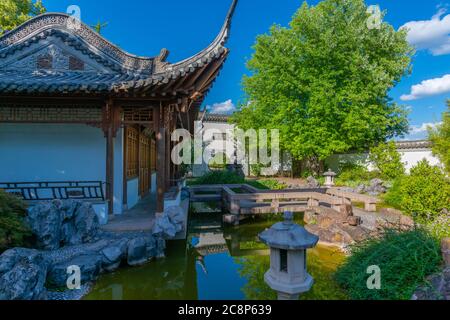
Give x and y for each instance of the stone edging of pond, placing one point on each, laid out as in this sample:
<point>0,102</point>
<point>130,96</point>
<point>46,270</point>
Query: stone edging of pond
<point>29,274</point>
<point>70,242</point>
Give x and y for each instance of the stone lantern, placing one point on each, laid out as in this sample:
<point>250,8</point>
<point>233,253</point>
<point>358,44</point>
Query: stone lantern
<point>288,243</point>
<point>329,178</point>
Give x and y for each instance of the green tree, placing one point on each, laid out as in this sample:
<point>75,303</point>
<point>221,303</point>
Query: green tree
<point>387,160</point>
<point>324,81</point>
<point>440,137</point>
<point>15,12</point>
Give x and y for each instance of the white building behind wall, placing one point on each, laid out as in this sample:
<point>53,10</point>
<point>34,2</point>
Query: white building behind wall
<point>219,138</point>
<point>412,152</point>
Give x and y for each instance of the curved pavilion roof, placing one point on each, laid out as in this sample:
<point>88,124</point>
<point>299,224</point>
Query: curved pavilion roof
<point>125,74</point>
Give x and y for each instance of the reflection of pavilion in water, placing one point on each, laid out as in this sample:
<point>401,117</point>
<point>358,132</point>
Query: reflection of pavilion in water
<point>208,238</point>
<point>175,277</point>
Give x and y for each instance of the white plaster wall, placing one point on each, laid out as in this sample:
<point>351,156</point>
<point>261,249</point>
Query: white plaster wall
<point>132,192</point>
<point>153,189</point>
<point>47,152</point>
<point>409,157</point>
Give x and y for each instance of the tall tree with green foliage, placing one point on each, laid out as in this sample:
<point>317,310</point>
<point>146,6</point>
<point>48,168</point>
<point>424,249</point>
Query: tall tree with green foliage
<point>324,81</point>
<point>15,12</point>
<point>440,137</point>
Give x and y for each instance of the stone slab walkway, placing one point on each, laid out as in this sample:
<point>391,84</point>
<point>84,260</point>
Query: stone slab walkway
<point>140,218</point>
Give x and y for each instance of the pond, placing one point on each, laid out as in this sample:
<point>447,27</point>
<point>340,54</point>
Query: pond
<point>216,263</point>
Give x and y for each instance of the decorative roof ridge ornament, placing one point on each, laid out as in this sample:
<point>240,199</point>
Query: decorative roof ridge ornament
<point>54,21</point>
<point>217,46</point>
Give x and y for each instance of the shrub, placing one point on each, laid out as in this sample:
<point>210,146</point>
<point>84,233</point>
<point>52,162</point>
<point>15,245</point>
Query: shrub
<point>405,259</point>
<point>218,177</point>
<point>423,194</point>
<point>386,159</point>
<point>354,172</point>
<point>267,184</point>
<point>439,227</point>
<point>13,230</point>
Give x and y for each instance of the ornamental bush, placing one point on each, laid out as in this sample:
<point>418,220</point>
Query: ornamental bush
<point>218,177</point>
<point>423,194</point>
<point>387,160</point>
<point>14,232</point>
<point>404,258</point>
<point>354,172</point>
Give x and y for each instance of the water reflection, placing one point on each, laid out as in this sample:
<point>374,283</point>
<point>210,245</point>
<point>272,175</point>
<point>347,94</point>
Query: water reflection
<point>214,263</point>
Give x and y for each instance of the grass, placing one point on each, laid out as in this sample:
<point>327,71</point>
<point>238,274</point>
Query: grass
<point>405,259</point>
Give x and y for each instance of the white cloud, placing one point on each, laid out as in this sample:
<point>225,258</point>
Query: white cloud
<point>225,107</point>
<point>420,132</point>
<point>428,88</point>
<point>423,128</point>
<point>432,35</point>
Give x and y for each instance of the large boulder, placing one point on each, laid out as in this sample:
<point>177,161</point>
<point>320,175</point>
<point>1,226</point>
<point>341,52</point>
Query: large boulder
<point>392,218</point>
<point>164,227</point>
<point>22,275</point>
<point>169,223</point>
<point>177,217</point>
<point>312,182</point>
<point>137,252</point>
<point>113,254</point>
<point>45,222</point>
<point>376,187</point>
<point>89,263</point>
<point>63,222</point>
<point>86,222</point>
<point>436,287</point>
<point>339,234</point>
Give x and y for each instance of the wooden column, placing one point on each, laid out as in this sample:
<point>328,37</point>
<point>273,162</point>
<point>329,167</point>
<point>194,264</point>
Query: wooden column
<point>167,150</point>
<point>110,130</point>
<point>168,127</point>
<point>111,124</point>
<point>160,158</point>
<point>110,170</point>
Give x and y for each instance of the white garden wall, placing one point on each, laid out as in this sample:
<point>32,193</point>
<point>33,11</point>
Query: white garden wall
<point>48,152</point>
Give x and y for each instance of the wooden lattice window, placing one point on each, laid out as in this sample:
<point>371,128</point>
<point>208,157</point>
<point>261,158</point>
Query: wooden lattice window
<point>45,61</point>
<point>76,64</point>
<point>132,152</point>
<point>144,165</point>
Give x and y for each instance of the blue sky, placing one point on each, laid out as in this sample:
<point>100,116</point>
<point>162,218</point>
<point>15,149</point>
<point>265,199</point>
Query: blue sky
<point>143,27</point>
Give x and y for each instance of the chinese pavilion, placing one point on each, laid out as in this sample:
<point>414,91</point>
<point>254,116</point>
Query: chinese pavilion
<point>81,118</point>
